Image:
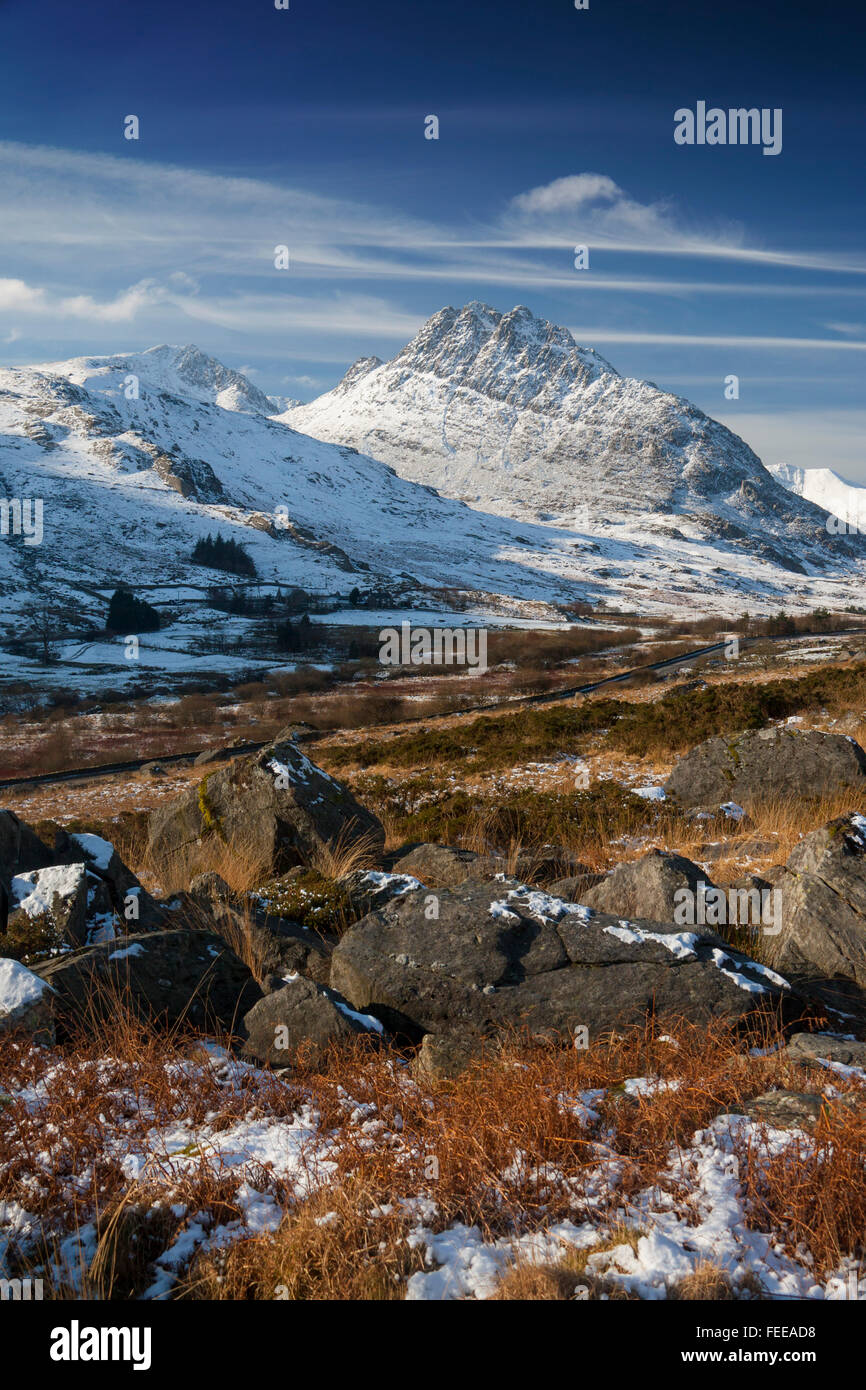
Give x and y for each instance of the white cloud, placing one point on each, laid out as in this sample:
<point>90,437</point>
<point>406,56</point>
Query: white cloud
<point>18,297</point>
<point>586,207</point>
<point>30,300</point>
<point>805,439</point>
<point>572,193</point>
<point>591,336</point>
<point>592,208</point>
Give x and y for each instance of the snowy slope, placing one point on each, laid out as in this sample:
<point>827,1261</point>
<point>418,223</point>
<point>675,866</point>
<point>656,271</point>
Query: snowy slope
<point>129,484</point>
<point>508,413</point>
<point>826,489</point>
<point>135,457</point>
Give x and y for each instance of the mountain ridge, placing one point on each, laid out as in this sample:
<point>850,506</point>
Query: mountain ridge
<point>507,412</point>
<point>137,456</point>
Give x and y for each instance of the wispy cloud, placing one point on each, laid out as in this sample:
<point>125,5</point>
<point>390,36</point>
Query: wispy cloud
<point>75,219</point>
<point>584,207</point>
<point>714,340</point>
<point>132,252</point>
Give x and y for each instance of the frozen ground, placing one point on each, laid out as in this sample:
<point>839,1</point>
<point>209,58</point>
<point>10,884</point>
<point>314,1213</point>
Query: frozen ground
<point>277,1155</point>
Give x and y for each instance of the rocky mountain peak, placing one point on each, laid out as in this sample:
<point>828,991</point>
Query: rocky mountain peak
<point>507,412</point>
<point>514,355</point>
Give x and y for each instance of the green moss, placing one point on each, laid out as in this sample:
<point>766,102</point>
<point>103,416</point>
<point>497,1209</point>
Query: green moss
<point>310,899</point>
<point>31,939</point>
<point>209,818</point>
<point>424,809</point>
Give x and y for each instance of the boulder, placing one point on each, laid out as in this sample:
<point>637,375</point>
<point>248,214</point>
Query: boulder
<point>488,957</point>
<point>20,851</point>
<point>275,803</point>
<point>167,978</point>
<point>826,1047</point>
<point>26,1002</point>
<point>647,887</point>
<point>445,1056</point>
<point>301,1019</point>
<point>447,866</point>
<point>787,1109</point>
<point>764,763</point>
<point>437,866</point>
<point>127,900</point>
<point>822,942</point>
<point>86,894</point>
<point>20,847</point>
<point>58,896</point>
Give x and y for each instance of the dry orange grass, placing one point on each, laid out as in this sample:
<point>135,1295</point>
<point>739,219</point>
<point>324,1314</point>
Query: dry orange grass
<point>340,1244</point>
<point>240,862</point>
<point>348,853</point>
<point>501,1147</point>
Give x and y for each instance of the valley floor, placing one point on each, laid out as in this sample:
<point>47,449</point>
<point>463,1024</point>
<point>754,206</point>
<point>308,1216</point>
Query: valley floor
<point>134,1165</point>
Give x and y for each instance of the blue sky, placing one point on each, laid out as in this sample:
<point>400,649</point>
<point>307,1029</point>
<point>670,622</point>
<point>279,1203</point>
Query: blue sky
<point>305,127</point>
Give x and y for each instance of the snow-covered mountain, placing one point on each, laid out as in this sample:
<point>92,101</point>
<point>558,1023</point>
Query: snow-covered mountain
<point>826,489</point>
<point>508,413</point>
<point>134,458</point>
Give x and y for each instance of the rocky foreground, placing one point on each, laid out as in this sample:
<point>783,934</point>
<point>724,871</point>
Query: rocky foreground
<point>344,1054</point>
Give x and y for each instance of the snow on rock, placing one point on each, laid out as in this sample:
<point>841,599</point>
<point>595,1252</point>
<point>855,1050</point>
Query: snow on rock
<point>98,851</point>
<point>25,1001</point>
<point>19,987</point>
<point>34,892</point>
<point>507,412</point>
<point>394,884</point>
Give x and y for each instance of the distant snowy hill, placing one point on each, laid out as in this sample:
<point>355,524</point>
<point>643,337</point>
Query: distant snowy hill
<point>508,413</point>
<point>825,488</point>
<point>135,457</point>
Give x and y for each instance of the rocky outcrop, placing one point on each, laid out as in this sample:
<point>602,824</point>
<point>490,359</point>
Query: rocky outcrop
<point>301,1020</point>
<point>826,1047</point>
<point>785,1109</point>
<point>21,850</point>
<point>490,957</point>
<point>438,866</point>
<point>166,978</point>
<point>647,887</point>
<point>78,893</point>
<point>765,763</point>
<point>822,942</point>
<point>276,804</point>
<point>57,898</point>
